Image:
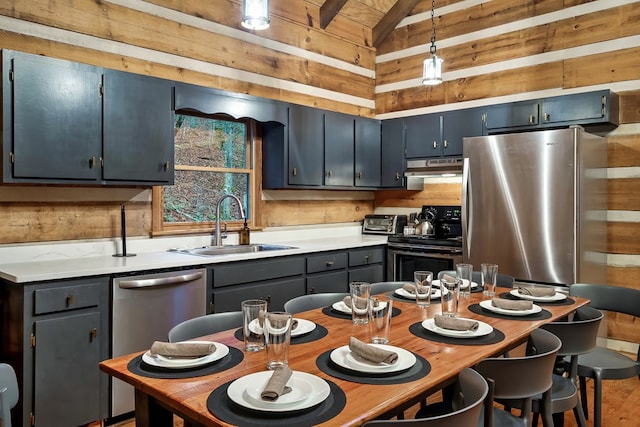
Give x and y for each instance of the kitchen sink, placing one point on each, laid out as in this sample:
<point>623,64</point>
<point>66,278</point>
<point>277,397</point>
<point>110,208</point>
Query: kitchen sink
<point>234,249</point>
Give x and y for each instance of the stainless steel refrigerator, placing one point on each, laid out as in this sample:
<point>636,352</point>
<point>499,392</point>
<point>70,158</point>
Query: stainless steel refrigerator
<point>535,204</point>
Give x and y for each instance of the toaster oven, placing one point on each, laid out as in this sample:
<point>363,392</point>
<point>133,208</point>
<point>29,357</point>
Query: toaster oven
<point>383,224</point>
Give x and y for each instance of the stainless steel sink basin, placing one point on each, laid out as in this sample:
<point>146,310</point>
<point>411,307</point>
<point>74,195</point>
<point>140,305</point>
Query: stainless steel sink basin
<point>234,249</point>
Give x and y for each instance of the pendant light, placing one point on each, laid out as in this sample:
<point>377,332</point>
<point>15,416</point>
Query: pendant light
<point>432,67</point>
<point>255,14</point>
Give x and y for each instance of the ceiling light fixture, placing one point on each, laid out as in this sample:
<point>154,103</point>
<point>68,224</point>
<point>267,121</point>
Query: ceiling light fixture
<point>432,67</point>
<point>255,14</point>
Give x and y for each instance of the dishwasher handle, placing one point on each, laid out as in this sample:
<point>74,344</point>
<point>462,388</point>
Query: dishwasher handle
<point>160,281</point>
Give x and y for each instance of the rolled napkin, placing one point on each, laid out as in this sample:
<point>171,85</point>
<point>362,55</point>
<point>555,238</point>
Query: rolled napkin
<point>372,353</point>
<point>294,322</point>
<point>411,288</point>
<point>454,323</point>
<point>182,349</point>
<point>448,277</point>
<point>537,292</point>
<point>507,304</point>
<point>277,384</point>
<point>362,302</point>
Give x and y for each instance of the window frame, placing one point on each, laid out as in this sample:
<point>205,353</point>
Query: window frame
<point>253,142</point>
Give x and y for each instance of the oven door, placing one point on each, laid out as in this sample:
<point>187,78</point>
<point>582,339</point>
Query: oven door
<point>402,262</point>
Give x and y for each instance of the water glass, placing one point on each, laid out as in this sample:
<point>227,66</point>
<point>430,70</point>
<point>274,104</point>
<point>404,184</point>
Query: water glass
<point>449,288</point>
<point>422,281</point>
<point>360,293</point>
<point>252,325</point>
<point>277,331</point>
<point>380,318</point>
<point>465,274</point>
<point>489,279</point>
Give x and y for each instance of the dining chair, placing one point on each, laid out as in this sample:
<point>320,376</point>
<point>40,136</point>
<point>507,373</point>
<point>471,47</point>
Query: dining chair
<point>380,287</point>
<point>8,393</point>
<point>503,280</point>
<point>602,363</point>
<point>470,391</point>
<point>520,378</point>
<point>578,336</point>
<point>205,325</point>
<point>311,301</point>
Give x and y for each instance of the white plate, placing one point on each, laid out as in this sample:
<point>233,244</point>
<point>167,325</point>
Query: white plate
<point>559,296</point>
<point>341,306</point>
<point>483,329</point>
<point>304,327</point>
<point>307,390</point>
<point>435,293</point>
<point>342,356</point>
<point>464,284</point>
<point>487,305</point>
<point>182,362</point>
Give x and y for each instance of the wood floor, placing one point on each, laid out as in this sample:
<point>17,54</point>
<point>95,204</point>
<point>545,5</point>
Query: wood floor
<point>619,406</point>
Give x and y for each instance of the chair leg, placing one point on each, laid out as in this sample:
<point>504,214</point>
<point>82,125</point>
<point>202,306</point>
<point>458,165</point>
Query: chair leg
<point>597,400</point>
<point>558,419</point>
<point>580,419</point>
<point>583,397</point>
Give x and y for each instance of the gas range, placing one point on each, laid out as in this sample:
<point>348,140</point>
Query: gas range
<point>455,242</point>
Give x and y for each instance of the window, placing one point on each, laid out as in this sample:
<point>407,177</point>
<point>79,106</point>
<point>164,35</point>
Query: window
<point>213,157</point>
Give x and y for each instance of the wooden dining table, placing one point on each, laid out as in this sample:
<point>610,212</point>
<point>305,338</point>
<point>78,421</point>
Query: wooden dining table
<point>366,398</point>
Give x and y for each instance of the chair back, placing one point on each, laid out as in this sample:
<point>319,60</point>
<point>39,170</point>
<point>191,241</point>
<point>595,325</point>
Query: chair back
<point>311,301</point>
<point>610,298</point>
<point>380,287</point>
<point>8,393</point>
<point>469,394</point>
<point>503,280</point>
<point>205,325</point>
<point>579,334</point>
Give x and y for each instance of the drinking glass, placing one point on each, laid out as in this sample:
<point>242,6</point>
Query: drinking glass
<point>465,274</point>
<point>489,278</point>
<point>422,281</point>
<point>449,288</point>
<point>252,325</point>
<point>380,318</point>
<point>277,331</point>
<point>360,293</point>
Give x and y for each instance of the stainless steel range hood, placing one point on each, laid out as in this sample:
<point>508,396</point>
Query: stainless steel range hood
<point>426,168</point>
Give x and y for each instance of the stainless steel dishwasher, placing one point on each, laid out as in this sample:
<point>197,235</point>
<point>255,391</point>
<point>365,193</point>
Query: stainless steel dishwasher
<point>144,309</point>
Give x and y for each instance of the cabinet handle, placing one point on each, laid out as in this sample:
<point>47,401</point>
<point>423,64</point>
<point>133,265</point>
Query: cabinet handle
<point>92,162</point>
<point>69,300</point>
<point>446,144</point>
<point>166,165</point>
<point>531,119</point>
<point>312,290</point>
<point>366,259</point>
<point>294,172</point>
<point>546,117</point>
<point>604,105</point>
<point>435,144</point>
<point>93,334</point>
<point>330,173</point>
<point>359,175</point>
<point>329,263</point>
<point>397,176</point>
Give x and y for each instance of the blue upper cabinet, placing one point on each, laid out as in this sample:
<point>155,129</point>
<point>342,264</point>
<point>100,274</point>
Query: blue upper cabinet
<point>338,149</point>
<point>596,111</point>
<point>367,152</point>
<point>393,163</point>
<point>306,146</point>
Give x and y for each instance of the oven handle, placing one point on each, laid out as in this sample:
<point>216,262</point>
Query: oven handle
<point>424,254</point>
<point>159,281</point>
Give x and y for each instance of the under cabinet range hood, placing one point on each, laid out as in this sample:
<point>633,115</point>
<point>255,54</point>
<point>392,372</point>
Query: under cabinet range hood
<point>438,167</point>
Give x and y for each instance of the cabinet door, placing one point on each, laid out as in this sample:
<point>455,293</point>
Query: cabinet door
<point>423,136</point>
<point>371,274</point>
<point>305,146</point>
<point>276,292</point>
<point>66,373</point>
<point>138,128</point>
<point>338,149</point>
<point>392,164</point>
<point>579,108</point>
<point>55,114</point>
<point>457,125</point>
<point>512,115</point>
<point>328,282</point>
<point>367,152</point>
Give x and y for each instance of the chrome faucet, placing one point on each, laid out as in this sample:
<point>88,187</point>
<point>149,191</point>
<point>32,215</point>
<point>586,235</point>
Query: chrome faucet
<point>217,234</point>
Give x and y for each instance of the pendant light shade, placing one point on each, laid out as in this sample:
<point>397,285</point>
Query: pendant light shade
<point>432,67</point>
<point>255,14</point>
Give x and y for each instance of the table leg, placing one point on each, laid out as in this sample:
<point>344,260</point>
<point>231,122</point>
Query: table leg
<point>149,413</point>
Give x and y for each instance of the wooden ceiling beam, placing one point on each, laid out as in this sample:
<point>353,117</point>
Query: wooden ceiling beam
<point>329,10</point>
<point>392,18</point>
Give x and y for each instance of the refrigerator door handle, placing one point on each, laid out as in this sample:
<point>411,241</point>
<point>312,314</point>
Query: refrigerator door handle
<point>466,197</point>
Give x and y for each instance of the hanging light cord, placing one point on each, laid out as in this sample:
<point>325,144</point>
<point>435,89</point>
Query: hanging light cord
<point>433,29</point>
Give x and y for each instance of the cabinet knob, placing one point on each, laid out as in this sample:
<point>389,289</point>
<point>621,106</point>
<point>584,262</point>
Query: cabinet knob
<point>366,259</point>
<point>329,263</point>
<point>547,116</point>
<point>330,173</point>
<point>531,119</point>
<point>435,144</point>
<point>359,175</point>
<point>93,334</point>
<point>294,172</point>
<point>69,300</point>
<point>397,176</point>
<point>166,166</point>
<point>92,162</point>
<point>446,143</point>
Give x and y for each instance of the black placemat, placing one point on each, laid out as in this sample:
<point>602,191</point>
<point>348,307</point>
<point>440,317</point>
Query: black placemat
<point>421,368</point>
<point>138,367</point>
<point>330,311</point>
<point>566,301</point>
<point>318,332</point>
<point>494,337</point>
<point>477,308</point>
<point>220,405</point>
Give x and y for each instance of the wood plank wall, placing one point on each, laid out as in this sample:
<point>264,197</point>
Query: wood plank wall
<point>494,51</point>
